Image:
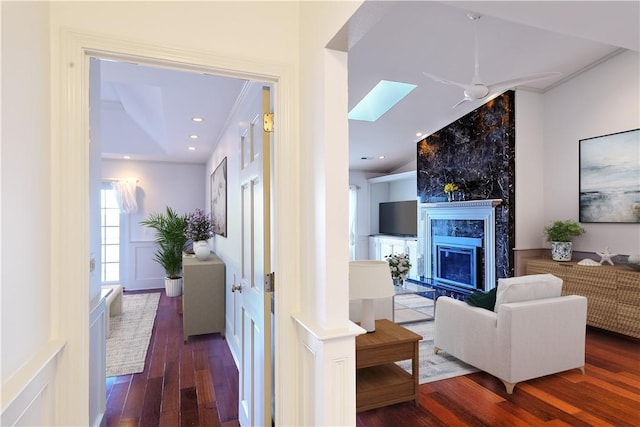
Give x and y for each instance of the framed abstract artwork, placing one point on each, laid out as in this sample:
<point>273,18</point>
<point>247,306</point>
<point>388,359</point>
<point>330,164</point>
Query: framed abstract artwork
<point>219,198</point>
<point>610,178</point>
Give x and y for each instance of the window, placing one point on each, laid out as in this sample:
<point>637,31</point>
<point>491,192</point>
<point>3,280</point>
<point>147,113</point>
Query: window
<point>110,234</point>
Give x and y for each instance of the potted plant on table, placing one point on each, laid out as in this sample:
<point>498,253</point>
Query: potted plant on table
<point>170,240</point>
<point>199,230</point>
<point>560,234</point>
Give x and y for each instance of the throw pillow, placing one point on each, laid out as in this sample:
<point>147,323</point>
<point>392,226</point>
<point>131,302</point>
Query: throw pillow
<point>481,299</point>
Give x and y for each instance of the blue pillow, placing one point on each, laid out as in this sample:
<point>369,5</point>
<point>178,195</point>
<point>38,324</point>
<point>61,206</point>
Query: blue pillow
<point>481,299</point>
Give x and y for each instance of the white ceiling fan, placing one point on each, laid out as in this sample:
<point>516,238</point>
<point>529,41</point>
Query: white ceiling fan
<point>477,89</point>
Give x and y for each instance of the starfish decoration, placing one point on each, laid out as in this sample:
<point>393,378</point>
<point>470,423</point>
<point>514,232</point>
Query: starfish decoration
<point>606,256</point>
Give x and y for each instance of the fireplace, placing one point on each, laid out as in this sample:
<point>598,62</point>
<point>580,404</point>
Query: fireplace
<point>457,241</point>
<point>457,261</point>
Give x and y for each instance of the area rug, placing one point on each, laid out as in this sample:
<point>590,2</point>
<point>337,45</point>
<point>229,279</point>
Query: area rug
<point>130,334</point>
<point>433,367</point>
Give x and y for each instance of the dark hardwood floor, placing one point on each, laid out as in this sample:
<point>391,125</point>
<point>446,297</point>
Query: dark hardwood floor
<point>192,384</point>
<point>196,384</point>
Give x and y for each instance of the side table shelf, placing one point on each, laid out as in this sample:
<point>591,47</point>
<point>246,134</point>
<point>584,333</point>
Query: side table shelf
<point>379,381</point>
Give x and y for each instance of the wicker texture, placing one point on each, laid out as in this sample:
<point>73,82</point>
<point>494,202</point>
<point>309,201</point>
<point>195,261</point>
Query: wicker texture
<point>613,292</point>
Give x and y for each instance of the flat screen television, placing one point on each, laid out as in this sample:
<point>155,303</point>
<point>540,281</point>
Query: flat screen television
<point>399,218</point>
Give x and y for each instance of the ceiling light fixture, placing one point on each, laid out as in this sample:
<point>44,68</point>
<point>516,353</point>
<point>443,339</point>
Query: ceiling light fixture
<point>197,119</point>
<point>419,134</point>
<point>126,157</point>
<point>381,157</point>
<point>382,97</point>
<point>193,136</point>
<point>191,148</point>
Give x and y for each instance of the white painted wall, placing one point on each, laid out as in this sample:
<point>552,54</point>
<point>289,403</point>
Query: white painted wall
<point>529,212</point>
<point>180,186</point>
<point>603,100</point>
<point>26,226</point>
<point>25,168</point>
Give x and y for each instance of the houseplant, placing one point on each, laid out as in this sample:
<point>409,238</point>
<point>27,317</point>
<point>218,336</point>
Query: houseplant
<point>561,234</point>
<point>170,240</point>
<point>199,230</point>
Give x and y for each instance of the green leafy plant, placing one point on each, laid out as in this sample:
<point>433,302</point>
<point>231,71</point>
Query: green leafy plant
<point>563,231</point>
<point>171,240</point>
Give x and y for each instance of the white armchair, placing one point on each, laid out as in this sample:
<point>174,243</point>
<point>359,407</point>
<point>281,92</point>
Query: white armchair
<point>532,332</point>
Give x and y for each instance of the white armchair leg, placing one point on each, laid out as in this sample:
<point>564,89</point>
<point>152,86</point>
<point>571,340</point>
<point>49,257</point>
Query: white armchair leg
<point>436,350</point>
<point>509,386</point>
<point>582,369</point>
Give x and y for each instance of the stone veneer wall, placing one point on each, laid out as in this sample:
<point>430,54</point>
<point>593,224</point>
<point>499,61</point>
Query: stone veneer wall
<point>476,152</point>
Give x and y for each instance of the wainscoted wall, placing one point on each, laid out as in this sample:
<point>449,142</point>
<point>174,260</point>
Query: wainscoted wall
<point>476,152</point>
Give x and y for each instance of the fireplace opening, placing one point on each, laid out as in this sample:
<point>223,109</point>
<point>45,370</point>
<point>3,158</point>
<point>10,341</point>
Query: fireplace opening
<point>458,261</point>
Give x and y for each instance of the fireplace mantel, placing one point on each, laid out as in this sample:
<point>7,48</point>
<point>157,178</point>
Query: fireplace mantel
<point>483,210</point>
<point>491,203</point>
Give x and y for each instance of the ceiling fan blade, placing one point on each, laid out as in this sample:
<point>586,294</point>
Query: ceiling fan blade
<point>466,98</point>
<point>445,81</point>
<point>508,84</point>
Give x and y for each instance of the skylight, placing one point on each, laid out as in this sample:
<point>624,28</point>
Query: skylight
<point>382,97</point>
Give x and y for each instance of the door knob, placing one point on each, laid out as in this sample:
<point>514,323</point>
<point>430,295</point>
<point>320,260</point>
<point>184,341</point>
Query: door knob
<point>236,288</point>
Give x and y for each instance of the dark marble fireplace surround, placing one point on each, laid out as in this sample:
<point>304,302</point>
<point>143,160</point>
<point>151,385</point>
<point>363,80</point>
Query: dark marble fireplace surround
<point>476,152</point>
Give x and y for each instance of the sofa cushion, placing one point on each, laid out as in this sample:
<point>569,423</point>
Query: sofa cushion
<point>482,299</point>
<point>526,288</point>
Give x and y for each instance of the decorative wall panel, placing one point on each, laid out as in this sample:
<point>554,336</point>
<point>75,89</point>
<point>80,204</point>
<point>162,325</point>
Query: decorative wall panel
<point>477,153</point>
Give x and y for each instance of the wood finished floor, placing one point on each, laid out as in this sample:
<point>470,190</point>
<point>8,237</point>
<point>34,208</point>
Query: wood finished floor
<point>196,384</point>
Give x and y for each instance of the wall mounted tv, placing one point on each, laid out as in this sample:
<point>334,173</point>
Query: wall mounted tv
<point>399,218</point>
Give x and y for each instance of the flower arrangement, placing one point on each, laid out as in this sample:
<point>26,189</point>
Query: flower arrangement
<point>199,226</point>
<point>399,265</point>
<point>450,187</point>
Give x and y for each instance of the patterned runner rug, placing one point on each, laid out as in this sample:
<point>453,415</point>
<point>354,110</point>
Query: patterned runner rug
<point>130,334</point>
<point>433,367</point>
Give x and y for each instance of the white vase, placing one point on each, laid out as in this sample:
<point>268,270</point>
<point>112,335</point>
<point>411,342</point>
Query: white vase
<point>201,249</point>
<point>173,287</point>
<point>561,251</point>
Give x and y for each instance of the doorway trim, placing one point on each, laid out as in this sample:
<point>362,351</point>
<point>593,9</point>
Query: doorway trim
<point>70,296</point>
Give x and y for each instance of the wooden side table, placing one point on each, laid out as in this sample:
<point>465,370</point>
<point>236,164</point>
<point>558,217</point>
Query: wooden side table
<point>379,381</point>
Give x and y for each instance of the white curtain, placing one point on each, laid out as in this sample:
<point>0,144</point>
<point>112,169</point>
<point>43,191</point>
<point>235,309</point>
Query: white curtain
<point>126,192</point>
<point>353,215</point>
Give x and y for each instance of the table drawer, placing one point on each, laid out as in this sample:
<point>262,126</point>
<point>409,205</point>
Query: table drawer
<point>384,354</point>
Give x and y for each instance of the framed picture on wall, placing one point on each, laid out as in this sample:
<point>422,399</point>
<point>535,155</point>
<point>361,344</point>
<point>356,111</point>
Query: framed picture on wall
<point>610,178</point>
<point>219,198</point>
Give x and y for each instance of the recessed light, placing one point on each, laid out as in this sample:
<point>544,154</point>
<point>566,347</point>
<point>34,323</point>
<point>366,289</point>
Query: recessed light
<point>193,136</point>
<point>381,157</point>
<point>192,148</point>
<point>197,119</point>
<point>419,134</point>
<point>126,157</point>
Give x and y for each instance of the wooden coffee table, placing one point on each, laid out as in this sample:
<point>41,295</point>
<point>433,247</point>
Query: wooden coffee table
<point>379,381</point>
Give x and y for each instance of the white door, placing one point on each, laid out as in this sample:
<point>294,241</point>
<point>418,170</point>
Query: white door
<point>255,311</point>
